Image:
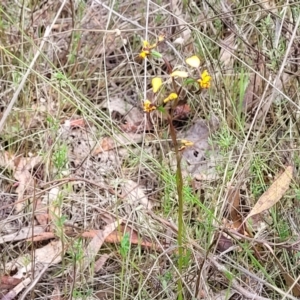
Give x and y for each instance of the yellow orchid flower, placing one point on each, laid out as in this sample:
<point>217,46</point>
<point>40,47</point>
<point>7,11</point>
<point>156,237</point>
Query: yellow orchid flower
<point>146,50</point>
<point>148,106</point>
<point>205,80</point>
<point>184,144</point>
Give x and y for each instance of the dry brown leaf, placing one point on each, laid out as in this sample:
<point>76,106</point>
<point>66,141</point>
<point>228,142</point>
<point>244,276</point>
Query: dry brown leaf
<point>254,88</point>
<point>97,242</point>
<point>106,144</point>
<point>234,206</point>
<point>43,257</point>
<point>16,290</point>
<point>49,254</point>
<point>228,47</point>
<point>47,209</point>
<point>24,233</point>
<point>134,122</point>
<point>23,173</point>
<point>136,128</point>
<point>42,237</point>
<point>117,235</point>
<point>77,123</point>
<point>54,208</point>
<point>8,282</point>
<point>109,143</point>
<point>290,282</point>
<point>134,194</point>
<point>41,213</point>
<point>274,193</point>
<point>101,262</point>
<point>132,118</point>
<point>114,237</point>
<point>6,160</point>
<point>235,215</point>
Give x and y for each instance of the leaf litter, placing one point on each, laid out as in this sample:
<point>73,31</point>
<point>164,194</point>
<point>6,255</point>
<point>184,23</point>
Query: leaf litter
<point>47,212</point>
<point>43,258</point>
<point>100,159</point>
<point>22,168</point>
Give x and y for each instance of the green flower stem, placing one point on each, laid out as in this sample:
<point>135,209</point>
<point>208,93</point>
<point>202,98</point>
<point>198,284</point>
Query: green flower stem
<point>179,184</point>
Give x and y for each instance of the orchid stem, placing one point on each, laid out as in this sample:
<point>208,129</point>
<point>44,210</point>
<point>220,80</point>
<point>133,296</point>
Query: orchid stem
<point>179,185</point>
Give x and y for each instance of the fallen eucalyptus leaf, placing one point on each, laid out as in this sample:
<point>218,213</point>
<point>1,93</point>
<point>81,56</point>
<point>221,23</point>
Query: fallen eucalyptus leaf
<point>274,193</point>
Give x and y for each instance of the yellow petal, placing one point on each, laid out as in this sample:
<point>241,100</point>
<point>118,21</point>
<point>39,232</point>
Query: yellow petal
<point>167,100</point>
<point>205,80</point>
<point>153,46</point>
<point>143,54</point>
<point>161,38</point>
<point>156,84</point>
<point>181,74</point>
<point>173,96</point>
<point>193,61</point>
<point>205,74</point>
<point>187,143</point>
<point>146,44</point>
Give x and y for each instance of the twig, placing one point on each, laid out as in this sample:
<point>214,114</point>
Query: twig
<point>34,282</point>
